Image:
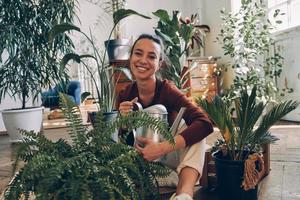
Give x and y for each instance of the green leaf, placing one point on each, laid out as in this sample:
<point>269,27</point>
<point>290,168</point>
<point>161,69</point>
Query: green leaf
<point>277,11</point>
<point>64,61</point>
<point>123,13</point>
<point>70,56</point>
<point>165,37</point>
<point>61,28</point>
<point>162,15</point>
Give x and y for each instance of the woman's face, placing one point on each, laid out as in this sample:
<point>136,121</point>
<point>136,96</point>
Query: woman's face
<point>145,59</point>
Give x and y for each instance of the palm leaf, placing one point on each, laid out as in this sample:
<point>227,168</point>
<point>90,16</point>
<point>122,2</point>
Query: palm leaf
<point>248,112</point>
<point>275,114</point>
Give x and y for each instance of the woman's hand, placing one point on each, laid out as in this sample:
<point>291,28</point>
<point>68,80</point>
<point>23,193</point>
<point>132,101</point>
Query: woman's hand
<point>127,106</point>
<point>151,150</point>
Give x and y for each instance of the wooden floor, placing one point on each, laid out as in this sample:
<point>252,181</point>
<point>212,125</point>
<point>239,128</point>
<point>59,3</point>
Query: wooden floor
<point>281,184</point>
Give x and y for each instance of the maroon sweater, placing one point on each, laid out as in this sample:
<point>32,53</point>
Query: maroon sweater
<point>167,94</point>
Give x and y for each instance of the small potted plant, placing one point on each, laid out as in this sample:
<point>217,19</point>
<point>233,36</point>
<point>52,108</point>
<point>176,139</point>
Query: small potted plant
<point>238,166</point>
<point>91,166</point>
<point>118,48</point>
<point>28,63</point>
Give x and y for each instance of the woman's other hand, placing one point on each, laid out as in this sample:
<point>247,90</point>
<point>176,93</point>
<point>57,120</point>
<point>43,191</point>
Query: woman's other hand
<point>127,106</point>
<point>150,150</point>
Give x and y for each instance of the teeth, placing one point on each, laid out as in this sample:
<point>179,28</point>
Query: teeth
<point>141,68</point>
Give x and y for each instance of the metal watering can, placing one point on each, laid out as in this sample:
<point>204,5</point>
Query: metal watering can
<point>157,111</point>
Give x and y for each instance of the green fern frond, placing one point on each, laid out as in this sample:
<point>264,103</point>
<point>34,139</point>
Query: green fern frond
<point>75,126</point>
<point>97,169</point>
<point>142,119</point>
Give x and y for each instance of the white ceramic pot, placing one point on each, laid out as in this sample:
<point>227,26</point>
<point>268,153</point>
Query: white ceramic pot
<point>29,119</point>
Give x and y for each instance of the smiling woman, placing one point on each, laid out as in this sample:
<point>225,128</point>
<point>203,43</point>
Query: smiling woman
<point>145,61</point>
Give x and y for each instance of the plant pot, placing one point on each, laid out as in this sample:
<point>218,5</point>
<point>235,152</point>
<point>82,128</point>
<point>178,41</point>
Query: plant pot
<point>29,119</point>
<point>118,49</point>
<point>108,117</point>
<point>229,179</point>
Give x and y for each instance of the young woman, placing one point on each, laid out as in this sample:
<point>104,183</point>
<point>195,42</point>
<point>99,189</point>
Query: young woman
<point>145,60</point>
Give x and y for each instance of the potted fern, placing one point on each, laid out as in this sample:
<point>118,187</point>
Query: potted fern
<point>27,62</point>
<point>238,167</point>
<point>91,166</point>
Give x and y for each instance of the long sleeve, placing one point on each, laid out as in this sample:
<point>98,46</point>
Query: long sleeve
<point>198,124</point>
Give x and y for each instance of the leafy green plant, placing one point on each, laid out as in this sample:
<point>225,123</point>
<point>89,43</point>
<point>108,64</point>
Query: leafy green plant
<point>246,38</point>
<point>245,132</point>
<point>104,73</point>
<point>91,166</point>
<point>179,36</point>
<point>28,63</point>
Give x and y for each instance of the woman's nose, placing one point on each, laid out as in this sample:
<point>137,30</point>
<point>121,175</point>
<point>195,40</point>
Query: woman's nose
<point>143,60</point>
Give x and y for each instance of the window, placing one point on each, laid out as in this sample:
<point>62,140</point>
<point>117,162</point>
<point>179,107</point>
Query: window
<point>291,8</point>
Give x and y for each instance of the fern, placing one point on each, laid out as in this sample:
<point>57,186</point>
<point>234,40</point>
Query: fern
<point>91,166</point>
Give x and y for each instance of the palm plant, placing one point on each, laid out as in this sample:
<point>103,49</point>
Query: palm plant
<point>105,87</point>
<point>91,166</point>
<point>245,132</point>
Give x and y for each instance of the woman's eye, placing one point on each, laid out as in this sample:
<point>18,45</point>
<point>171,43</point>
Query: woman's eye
<point>137,53</point>
<point>152,57</point>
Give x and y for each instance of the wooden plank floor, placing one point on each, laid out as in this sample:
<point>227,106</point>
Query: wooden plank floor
<point>281,184</point>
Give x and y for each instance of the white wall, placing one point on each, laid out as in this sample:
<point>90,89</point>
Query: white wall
<point>211,17</point>
<point>289,42</point>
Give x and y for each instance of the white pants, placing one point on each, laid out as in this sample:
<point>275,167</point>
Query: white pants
<point>192,156</point>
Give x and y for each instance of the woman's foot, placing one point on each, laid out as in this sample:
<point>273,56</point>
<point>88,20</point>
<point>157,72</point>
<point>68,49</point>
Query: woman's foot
<point>182,196</point>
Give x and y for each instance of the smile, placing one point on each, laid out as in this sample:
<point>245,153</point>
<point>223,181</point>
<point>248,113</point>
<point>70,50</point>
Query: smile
<point>141,69</point>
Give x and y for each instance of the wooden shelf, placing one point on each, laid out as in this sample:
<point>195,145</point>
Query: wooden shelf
<point>202,79</point>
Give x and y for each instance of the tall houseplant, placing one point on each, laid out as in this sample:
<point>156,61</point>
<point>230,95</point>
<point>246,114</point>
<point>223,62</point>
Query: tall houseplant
<point>103,77</point>
<point>179,37</point>
<point>245,36</point>
<point>241,138</point>
<point>28,63</point>
<point>91,166</point>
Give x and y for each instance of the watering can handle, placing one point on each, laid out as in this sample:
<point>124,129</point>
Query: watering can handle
<point>137,106</point>
<point>177,121</point>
